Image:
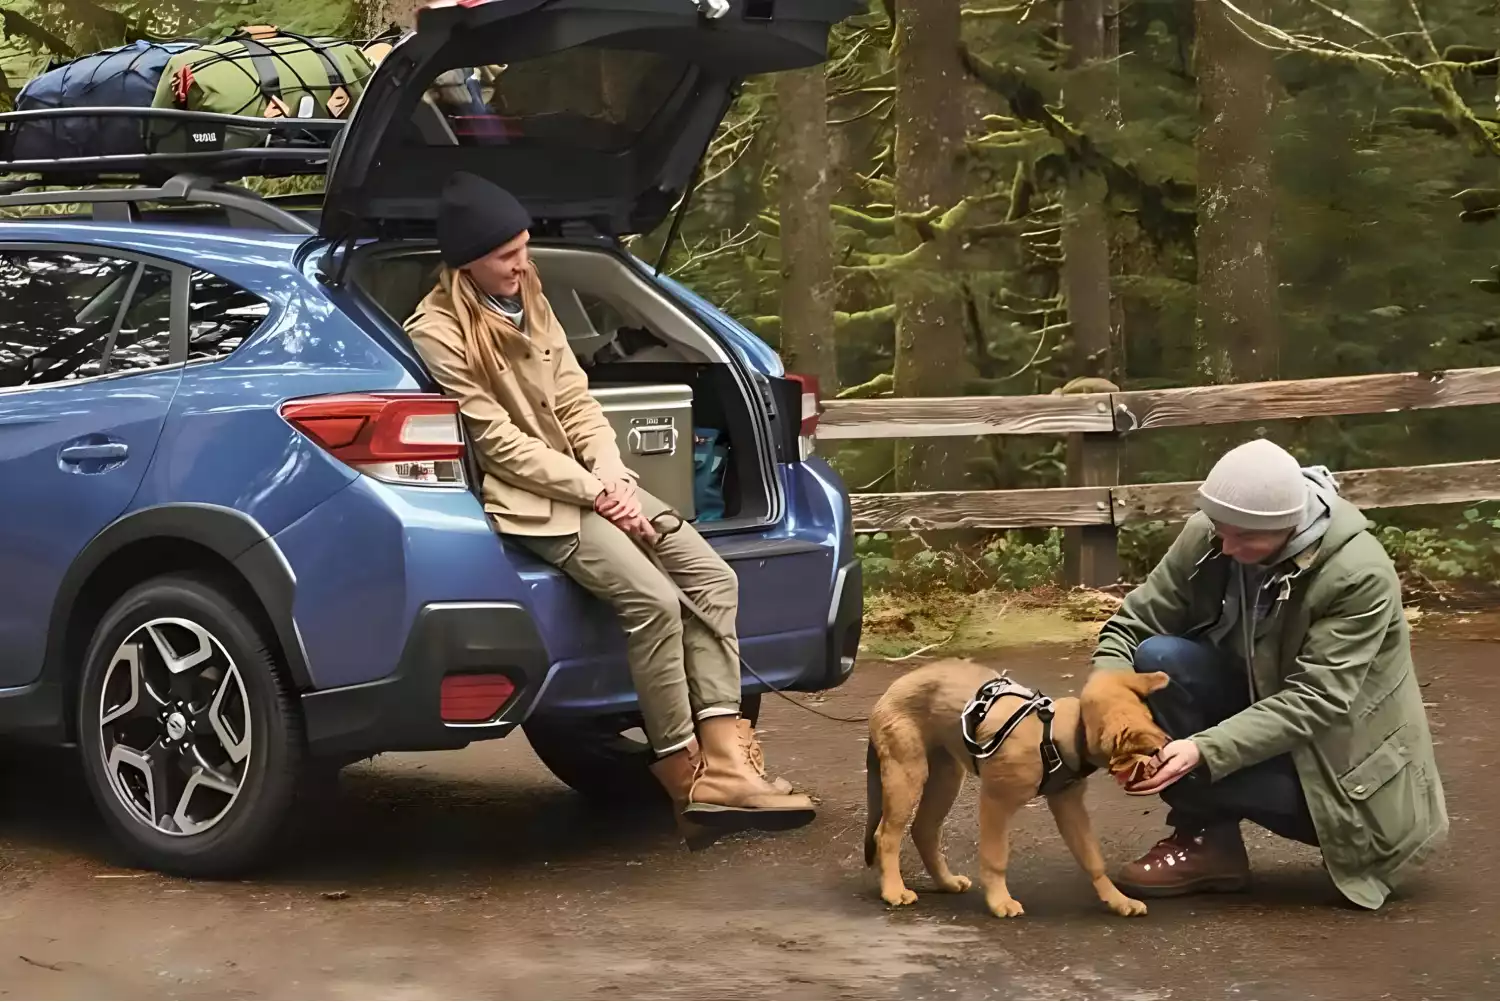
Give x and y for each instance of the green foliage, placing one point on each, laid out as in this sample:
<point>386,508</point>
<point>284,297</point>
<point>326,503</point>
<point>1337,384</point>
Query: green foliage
<point>1462,553</point>
<point>1467,553</point>
<point>1142,545</point>
<point>1007,561</point>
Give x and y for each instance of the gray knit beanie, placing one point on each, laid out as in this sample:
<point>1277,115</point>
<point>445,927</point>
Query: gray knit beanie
<point>1257,486</point>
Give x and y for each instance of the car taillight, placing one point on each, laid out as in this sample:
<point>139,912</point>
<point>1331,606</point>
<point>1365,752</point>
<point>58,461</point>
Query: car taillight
<point>474,699</point>
<point>810,408</point>
<point>400,438</point>
<point>808,416</point>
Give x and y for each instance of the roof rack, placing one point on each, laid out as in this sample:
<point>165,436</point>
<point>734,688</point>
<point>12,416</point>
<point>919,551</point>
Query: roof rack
<point>174,141</point>
<point>122,205</point>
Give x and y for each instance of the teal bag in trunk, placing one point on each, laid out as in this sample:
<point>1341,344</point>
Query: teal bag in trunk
<point>709,457</point>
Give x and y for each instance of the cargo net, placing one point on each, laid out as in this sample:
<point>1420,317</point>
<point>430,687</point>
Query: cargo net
<point>281,76</point>
<point>159,100</point>
<point>120,78</point>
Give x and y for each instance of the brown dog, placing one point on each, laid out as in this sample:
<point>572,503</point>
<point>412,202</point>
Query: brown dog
<point>917,756</point>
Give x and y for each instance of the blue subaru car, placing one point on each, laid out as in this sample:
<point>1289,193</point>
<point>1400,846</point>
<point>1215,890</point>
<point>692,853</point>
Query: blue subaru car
<point>241,544</point>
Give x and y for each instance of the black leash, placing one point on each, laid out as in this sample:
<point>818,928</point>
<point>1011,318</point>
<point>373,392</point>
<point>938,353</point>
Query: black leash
<point>731,644</point>
<point>1056,776</point>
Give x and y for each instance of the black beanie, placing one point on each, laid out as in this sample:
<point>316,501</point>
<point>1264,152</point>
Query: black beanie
<point>474,217</point>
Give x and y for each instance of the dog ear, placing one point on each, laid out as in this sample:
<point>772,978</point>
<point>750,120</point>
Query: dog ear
<point>1145,683</point>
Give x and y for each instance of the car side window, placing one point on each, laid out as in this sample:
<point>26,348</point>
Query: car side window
<point>68,315</point>
<point>221,315</point>
<point>144,340</point>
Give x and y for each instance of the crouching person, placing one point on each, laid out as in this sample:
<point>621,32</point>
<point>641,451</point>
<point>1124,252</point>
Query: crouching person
<point>555,483</point>
<point>1293,701</point>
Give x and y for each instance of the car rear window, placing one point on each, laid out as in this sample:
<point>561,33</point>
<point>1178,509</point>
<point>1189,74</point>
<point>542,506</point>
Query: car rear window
<point>600,100</point>
<point>221,315</point>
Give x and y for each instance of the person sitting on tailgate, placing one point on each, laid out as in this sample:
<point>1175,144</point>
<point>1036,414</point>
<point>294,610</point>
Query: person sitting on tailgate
<point>555,483</point>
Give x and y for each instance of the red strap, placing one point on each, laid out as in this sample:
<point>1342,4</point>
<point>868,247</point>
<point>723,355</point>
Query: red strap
<point>182,84</point>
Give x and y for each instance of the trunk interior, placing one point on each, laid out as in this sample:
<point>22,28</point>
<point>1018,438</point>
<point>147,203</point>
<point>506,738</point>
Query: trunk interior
<point>627,333</point>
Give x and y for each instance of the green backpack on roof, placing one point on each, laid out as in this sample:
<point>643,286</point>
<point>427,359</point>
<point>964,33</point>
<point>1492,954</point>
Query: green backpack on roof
<point>262,72</point>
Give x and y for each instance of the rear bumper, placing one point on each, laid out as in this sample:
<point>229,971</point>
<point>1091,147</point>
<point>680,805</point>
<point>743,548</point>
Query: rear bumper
<point>845,623</point>
<point>402,712</point>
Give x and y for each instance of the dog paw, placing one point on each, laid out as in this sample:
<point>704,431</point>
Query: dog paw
<point>1006,908</point>
<point>1127,907</point>
<point>905,896</point>
<point>955,884</point>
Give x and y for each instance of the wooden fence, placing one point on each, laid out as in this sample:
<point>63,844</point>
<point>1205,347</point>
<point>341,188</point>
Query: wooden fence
<point>1095,504</point>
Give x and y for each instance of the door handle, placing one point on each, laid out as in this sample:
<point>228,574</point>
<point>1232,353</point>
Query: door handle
<point>96,451</point>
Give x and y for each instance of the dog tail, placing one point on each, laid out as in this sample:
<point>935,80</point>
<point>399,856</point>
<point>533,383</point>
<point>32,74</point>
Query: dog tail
<point>873,801</point>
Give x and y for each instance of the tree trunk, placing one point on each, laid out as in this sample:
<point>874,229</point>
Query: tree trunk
<point>1238,333</point>
<point>377,15</point>
<point>932,356</point>
<point>1089,101</point>
<point>807,283</point>
<point>1085,234</point>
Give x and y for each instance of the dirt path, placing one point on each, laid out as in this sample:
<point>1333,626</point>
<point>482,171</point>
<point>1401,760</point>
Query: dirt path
<point>474,874</point>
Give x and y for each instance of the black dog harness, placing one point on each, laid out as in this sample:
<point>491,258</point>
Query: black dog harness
<point>1056,775</point>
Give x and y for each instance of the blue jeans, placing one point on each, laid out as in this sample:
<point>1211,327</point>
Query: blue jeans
<point>1208,686</point>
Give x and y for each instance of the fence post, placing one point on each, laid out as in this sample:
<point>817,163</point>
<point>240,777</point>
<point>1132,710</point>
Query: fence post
<point>1091,555</point>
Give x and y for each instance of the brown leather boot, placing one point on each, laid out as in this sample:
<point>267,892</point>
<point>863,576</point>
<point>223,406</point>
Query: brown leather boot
<point>675,773</point>
<point>1189,862</point>
<point>757,757</point>
<point>729,793</point>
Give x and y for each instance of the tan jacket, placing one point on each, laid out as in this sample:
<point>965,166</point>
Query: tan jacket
<point>541,440</point>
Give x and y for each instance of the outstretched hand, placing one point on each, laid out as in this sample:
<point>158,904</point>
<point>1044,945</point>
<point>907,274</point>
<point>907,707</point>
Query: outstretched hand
<point>1173,762</point>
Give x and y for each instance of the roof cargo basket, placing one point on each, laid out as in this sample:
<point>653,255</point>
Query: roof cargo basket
<point>244,208</point>
<point>173,142</point>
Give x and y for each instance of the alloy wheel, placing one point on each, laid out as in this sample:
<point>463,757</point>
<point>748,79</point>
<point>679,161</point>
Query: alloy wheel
<point>174,723</point>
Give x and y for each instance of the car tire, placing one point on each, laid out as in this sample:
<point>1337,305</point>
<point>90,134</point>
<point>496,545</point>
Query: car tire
<point>191,737</point>
<point>600,760</point>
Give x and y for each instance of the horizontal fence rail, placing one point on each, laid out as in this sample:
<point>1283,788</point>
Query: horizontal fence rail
<point>1387,487</point>
<point>1098,420</point>
<point>1141,410</point>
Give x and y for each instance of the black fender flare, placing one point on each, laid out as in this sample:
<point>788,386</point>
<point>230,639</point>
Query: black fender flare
<point>233,535</point>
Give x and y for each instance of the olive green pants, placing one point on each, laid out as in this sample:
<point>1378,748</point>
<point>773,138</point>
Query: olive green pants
<point>682,672</point>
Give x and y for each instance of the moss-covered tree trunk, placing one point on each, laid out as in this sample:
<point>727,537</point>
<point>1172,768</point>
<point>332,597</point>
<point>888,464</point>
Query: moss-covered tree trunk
<point>1089,103</point>
<point>377,15</point>
<point>1085,236</point>
<point>806,183</point>
<point>1238,330</point>
<point>931,341</point>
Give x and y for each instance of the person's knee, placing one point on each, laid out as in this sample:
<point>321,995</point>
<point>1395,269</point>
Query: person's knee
<point>1178,658</point>
<point>723,587</point>
<point>657,609</point>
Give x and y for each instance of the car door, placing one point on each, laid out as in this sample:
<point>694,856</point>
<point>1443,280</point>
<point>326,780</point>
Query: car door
<point>88,341</point>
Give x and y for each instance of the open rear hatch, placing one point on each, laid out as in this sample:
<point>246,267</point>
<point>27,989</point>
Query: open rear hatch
<point>593,113</point>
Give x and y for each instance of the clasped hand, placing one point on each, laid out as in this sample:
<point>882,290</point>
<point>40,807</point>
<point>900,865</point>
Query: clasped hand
<point>621,504</point>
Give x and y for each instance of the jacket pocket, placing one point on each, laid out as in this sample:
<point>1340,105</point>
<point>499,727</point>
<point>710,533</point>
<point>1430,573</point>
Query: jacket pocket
<point>1379,767</point>
<point>501,498</point>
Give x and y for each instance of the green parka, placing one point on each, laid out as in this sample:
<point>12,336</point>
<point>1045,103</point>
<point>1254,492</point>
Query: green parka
<point>1335,687</point>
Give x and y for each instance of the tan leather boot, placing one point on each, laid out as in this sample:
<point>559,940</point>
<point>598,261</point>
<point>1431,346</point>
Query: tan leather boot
<point>757,757</point>
<point>729,793</point>
<point>675,773</point>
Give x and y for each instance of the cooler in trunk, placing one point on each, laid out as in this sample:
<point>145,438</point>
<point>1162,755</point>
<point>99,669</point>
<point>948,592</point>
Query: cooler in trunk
<point>654,426</point>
